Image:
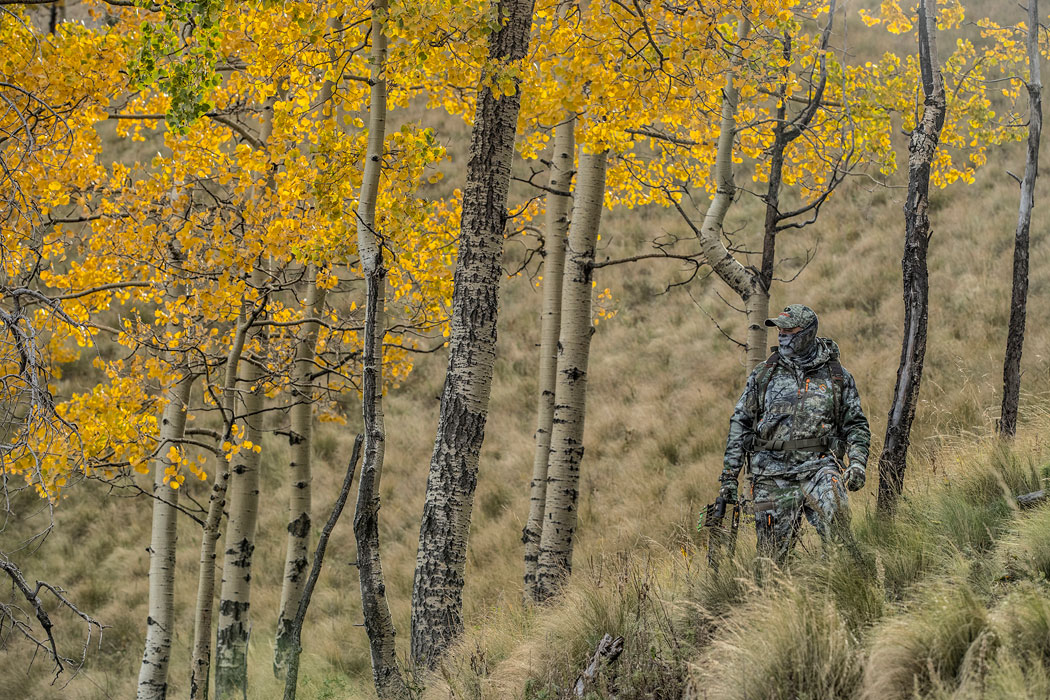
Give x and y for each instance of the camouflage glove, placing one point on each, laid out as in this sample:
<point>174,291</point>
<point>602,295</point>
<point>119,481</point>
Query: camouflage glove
<point>729,490</point>
<point>854,477</point>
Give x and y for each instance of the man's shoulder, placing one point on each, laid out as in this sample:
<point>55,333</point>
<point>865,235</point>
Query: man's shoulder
<point>839,372</point>
<point>834,361</point>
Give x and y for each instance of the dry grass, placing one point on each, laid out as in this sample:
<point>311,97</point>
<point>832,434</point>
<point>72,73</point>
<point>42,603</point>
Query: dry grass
<point>784,644</point>
<point>931,612</point>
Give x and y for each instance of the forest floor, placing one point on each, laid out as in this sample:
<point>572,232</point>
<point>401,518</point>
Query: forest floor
<point>947,600</point>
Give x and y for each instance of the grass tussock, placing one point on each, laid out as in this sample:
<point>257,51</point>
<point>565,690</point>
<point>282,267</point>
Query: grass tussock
<point>923,648</point>
<point>539,653</point>
<point>1025,550</point>
<point>784,644</point>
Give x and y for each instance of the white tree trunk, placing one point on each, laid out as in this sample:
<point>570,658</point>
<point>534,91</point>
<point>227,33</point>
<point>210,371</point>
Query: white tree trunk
<point>741,280</point>
<point>231,646</point>
<point>378,623</point>
<point>296,560</point>
<point>153,674</point>
<point>234,628</point>
<point>200,662</point>
<point>718,257</point>
<point>559,200</point>
<point>756,307</point>
<point>566,451</point>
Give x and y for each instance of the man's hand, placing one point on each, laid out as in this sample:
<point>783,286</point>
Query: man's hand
<point>854,477</point>
<point>729,489</point>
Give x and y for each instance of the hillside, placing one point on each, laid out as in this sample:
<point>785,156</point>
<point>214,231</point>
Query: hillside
<point>949,601</point>
<point>662,384</point>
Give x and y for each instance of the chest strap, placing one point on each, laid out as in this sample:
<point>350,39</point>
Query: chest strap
<point>817,444</point>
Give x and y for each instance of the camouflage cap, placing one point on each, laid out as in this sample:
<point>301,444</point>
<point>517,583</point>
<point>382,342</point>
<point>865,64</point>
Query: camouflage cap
<point>793,316</point>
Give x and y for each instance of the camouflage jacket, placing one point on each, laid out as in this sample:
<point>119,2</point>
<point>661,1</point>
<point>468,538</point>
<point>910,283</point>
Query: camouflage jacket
<point>799,403</point>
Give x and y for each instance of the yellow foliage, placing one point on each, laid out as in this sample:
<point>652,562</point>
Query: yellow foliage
<point>167,247</point>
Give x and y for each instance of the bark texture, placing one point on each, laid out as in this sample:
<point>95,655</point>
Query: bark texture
<point>296,628</point>
<point>378,623</point>
<point>559,200</point>
<point>160,622</point>
<point>438,587</point>
<point>566,452</point>
<point>231,645</point>
<point>296,559</point>
<point>921,150</point>
<point>1019,294</point>
<point>200,662</point>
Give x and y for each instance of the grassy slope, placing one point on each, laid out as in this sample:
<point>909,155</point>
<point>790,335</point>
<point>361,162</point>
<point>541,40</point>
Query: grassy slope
<point>662,384</point>
<point>951,600</point>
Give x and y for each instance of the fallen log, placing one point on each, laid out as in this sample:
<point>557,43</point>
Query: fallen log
<point>1031,500</point>
<point>608,650</point>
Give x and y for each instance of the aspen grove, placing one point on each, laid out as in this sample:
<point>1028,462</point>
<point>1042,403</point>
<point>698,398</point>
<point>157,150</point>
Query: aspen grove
<point>230,231</point>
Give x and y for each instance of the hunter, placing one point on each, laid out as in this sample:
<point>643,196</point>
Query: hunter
<point>800,428</point>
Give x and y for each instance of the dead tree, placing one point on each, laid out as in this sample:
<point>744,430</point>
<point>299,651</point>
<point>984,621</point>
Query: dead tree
<point>1019,296</point>
<point>18,620</point>
<point>295,629</point>
<point>921,149</point>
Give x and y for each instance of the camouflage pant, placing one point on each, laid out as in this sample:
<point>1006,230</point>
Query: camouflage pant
<point>780,502</point>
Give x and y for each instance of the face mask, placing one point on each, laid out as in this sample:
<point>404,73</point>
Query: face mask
<point>800,345</point>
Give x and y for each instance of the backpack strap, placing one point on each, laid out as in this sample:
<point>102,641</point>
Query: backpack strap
<point>838,382</point>
<point>763,381</point>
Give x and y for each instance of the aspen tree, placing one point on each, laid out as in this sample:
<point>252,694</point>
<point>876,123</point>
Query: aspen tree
<point>732,272</point>
<point>160,624</point>
<point>296,560</point>
<point>1019,293</point>
<point>234,626</point>
<point>378,623</point>
<point>438,588</point>
<point>558,202</point>
<point>231,645</point>
<point>200,660</point>
<point>252,216</point>
<point>921,151</point>
<point>753,285</point>
<point>566,451</point>
<point>160,620</point>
